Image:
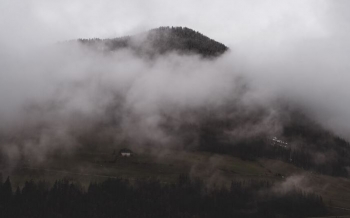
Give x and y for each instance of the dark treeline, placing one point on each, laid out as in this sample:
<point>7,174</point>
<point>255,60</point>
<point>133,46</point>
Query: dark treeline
<point>150,198</point>
<point>162,40</point>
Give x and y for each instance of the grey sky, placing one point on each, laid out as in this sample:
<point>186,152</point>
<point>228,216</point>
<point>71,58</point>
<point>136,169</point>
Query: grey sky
<point>228,21</point>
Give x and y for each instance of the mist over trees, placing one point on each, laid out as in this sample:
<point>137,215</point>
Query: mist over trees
<point>173,90</point>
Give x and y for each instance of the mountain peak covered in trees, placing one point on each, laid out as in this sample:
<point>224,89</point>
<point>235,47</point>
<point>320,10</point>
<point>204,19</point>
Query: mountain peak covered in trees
<point>160,41</point>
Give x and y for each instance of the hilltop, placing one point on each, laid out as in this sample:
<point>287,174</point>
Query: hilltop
<point>160,41</point>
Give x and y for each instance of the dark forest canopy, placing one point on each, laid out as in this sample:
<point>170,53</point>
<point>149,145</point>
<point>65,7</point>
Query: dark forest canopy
<point>160,41</point>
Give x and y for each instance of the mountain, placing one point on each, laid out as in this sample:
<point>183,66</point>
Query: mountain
<point>229,130</point>
<point>161,41</point>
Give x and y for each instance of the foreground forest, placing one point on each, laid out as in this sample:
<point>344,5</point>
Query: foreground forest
<point>151,198</point>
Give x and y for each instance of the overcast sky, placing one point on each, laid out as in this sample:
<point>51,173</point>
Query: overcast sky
<point>228,21</point>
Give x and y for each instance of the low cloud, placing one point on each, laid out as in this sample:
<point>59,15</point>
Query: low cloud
<point>65,96</point>
<point>292,183</point>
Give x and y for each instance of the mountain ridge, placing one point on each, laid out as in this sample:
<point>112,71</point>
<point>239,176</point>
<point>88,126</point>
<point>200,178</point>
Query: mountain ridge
<point>160,41</point>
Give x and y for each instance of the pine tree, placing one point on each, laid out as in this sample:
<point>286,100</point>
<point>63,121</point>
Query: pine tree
<point>6,192</point>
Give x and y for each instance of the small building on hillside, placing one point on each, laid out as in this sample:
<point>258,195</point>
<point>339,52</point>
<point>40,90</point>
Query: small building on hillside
<point>124,152</point>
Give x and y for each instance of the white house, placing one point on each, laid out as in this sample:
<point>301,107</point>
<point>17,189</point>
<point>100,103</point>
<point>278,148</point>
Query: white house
<point>125,152</point>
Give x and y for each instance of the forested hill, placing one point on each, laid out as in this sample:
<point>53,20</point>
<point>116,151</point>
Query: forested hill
<point>160,41</point>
